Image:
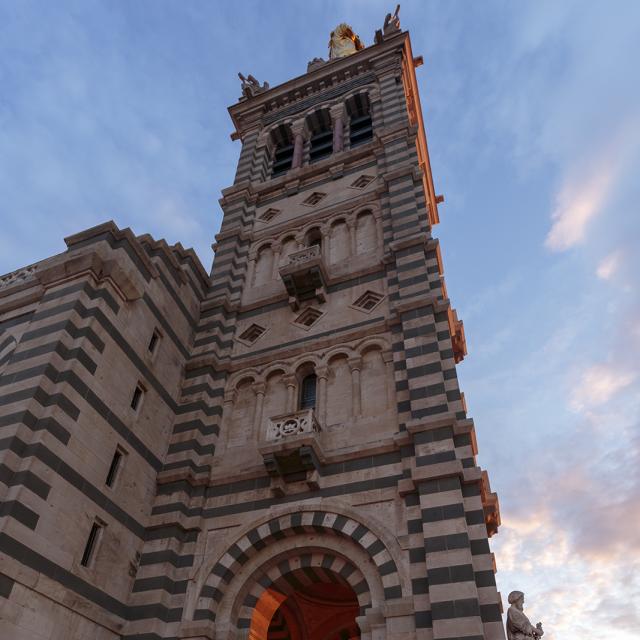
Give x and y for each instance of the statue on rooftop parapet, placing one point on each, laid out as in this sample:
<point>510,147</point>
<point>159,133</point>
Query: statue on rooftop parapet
<point>251,87</point>
<point>391,25</point>
<point>518,625</point>
<point>392,22</point>
<point>343,42</point>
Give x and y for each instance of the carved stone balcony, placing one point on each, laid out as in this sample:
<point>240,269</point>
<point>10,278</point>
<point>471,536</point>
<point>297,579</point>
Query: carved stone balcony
<point>292,424</point>
<point>290,446</point>
<point>305,276</point>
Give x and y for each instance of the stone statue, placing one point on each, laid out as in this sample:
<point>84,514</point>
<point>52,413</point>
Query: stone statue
<point>251,87</point>
<point>518,625</point>
<point>392,22</point>
<point>343,42</point>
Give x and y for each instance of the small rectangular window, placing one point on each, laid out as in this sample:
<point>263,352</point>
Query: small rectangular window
<point>136,399</point>
<point>153,342</point>
<point>92,541</point>
<point>114,468</point>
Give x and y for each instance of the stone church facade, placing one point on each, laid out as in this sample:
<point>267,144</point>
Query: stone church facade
<point>278,449</point>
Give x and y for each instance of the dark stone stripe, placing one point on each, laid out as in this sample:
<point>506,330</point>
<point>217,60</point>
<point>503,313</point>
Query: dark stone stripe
<point>429,411</point>
<point>417,555</point>
<point>20,512</point>
<point>167,556</point>
<point>36,424</point>
<point>171,531</point>
<point>198,425</point>
<point>84,287</point>
<point>447,542</point>
<point>43,565</point>
<point>68,327</point>
<point>485,578</point>
<point>446,575</point>
<point>5,325</point>
<point>76,353</point>
<point>425,621</point>
<point>44,399</point>
<point>446,512</point>
<point>265,503</point>
<point>449,609</point>
<point>166,327</point>
<point>39,451</point>
<point>83,390</point>
<point>439,485</point>
<point>423,370</point>
<point>433,435</point>
<point>26,479</point>
<point>6,585</point>
<point>191,445</point>
<point>479,547</point>
<point>419,586</point>
<point>490,613</point>
<point>390,593</point>
<point>435,458</point>
<point>427,391</point>
<point>160,583</point>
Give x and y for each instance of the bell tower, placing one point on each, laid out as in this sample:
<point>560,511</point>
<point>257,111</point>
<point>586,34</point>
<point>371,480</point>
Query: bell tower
<point>278,449</point>
<point>329,462</point>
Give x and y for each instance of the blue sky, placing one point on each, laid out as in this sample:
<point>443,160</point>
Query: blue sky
<point>118,110</point>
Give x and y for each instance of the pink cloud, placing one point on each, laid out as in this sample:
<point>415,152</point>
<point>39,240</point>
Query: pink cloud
<point>598,384</point>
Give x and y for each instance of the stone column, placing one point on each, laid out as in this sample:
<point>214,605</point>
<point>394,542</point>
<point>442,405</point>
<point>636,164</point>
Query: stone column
<point>276,262</point>
<point>227,408</point>
<point>290,381</point>
<point>324,248</point>
<point>298,129</point>
<point>379,234</point>
<point>351,227</point>
<point>322,373</point>
<point>387,357</point>
<point>259,389</point>
<point>355,364</point>
<point>338,118</point>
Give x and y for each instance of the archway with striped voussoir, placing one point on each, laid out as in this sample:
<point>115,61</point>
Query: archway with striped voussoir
<point>280,528</point>
<point>311,579</point>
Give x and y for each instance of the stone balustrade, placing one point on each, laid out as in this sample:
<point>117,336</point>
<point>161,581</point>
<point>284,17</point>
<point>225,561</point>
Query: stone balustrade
<point>304,255</point>
<point>289,425</point>
<point>20,275</point>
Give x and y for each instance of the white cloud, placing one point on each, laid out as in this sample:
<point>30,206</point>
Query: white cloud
<point>577,203</point>
<point>597,385</point>
<point>587,188</point>
<point>609,265</point>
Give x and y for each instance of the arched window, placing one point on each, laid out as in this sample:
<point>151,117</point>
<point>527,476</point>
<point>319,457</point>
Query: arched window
<point>313,238</point>
<point>321,141</point>
<point>283,150</point>
<point>360,127</point>
<point>308,392</point>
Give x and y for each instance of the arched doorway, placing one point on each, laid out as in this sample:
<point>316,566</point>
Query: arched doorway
<point>334,543</point>
<point>309,603</point>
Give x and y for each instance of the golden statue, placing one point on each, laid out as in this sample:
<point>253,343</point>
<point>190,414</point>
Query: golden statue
<point>343,42</point>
